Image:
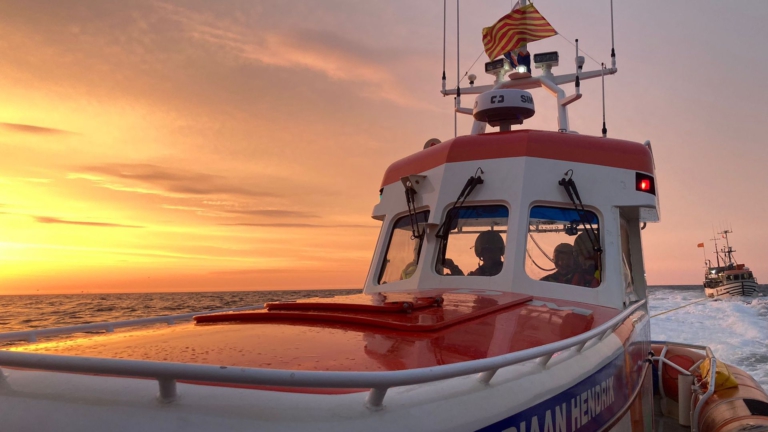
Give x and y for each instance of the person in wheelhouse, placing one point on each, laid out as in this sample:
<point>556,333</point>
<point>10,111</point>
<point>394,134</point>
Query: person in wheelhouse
<point>568,268</point>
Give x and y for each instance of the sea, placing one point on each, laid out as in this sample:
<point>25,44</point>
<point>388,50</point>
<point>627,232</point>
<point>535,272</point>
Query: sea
<point>736,331</point>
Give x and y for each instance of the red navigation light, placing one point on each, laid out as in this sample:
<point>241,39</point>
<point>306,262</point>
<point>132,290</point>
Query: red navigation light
<point>644,183</point>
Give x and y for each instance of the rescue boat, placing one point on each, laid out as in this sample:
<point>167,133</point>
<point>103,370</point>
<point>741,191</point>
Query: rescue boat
<point>507,292</point>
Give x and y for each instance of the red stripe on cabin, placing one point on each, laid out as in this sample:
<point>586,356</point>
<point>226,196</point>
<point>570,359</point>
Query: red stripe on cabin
<point>531,143</point>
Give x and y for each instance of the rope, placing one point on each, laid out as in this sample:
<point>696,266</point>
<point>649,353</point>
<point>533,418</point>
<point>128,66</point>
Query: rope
<point>473,64</point>
<point>680,307</point>
<point>541,250</point>
<point>535,263</point>
<point>587,54</point>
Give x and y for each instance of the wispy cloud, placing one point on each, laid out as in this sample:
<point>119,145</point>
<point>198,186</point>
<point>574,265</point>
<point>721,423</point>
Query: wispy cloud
<point>274,213</point>
<point>31,129</point>
<point>234,209</point>
<point>53,220</point>
<point>154,179</point>
<point>336,57</point>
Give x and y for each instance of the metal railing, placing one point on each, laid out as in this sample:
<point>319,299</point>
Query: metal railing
<point>695,412</point>
<point>33,335</point>
<point>168,373</point>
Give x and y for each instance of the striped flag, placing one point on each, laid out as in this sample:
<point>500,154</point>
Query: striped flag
<point>519,27</point>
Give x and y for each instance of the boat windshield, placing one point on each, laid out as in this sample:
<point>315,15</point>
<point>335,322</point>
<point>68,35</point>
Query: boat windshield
<point>475,244</point>
<point>559,249</point>
<point>403,250</point>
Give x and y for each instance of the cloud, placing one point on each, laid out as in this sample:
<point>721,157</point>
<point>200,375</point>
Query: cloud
<point>232,209</point>
<point>53,220</point>
<point>274,213</point>
<point>30,129</point>
<point>297,225</point>
<point>337,57</point>
<point>154,179</point>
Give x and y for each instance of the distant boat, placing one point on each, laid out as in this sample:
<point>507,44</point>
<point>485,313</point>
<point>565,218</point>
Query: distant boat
<point>729,279</point>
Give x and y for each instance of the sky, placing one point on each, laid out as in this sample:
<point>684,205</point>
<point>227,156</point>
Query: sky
<point>240,145</point>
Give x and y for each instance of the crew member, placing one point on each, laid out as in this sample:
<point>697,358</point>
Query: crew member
<point>567,270</point>
<point>489,248</point>
<point>586,256</point>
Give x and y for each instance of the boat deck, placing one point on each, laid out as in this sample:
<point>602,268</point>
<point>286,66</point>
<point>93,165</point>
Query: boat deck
<point>465,327</point>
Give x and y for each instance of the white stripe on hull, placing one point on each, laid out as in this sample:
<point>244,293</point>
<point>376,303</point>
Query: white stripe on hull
<point>733,289</point>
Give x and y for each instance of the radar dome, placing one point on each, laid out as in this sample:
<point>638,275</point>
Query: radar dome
<point>503,107</point>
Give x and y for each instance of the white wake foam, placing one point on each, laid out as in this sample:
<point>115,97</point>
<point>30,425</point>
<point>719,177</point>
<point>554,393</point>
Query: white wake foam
<point>737,332</point>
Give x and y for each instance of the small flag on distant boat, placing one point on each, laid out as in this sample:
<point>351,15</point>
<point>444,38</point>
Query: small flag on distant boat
<point>519,27</point>
<point>700,245</point>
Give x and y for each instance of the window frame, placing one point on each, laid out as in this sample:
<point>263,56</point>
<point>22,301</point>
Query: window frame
<point>559,205</point>
<point>382,267</point>
<point>505,235</point>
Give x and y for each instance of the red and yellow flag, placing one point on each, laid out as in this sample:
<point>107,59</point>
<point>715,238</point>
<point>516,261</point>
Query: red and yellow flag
<point>521,26</point>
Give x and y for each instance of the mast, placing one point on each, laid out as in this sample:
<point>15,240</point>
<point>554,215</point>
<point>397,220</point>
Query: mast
<point>727,249</point>
<point>717,254</point>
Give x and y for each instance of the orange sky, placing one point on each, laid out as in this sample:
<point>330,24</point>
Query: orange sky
<point>178,146</point>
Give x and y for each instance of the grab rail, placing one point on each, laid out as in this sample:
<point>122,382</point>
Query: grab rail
<point>109,327</point>
<point>695,412</point>
<point>168,373</point>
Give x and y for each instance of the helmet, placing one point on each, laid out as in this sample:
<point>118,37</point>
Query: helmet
<point>489,241</point>
<point>565,248</point>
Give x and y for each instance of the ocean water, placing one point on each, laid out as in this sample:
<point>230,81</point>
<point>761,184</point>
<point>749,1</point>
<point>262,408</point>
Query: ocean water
<point>736,332</point>
<point>27,312</point>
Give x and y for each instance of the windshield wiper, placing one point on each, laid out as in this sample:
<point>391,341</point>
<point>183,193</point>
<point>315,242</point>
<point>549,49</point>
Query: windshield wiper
<point>445,228</point>
<point>410,200</point>
<point>573,194</point>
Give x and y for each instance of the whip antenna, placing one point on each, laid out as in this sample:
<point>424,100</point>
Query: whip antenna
<point>613,51</point>
<point>602,77</point>
<point>444,1</point>
<point>458,80</point>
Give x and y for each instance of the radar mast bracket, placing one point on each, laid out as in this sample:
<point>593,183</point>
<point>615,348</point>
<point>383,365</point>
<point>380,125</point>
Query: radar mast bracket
<point>547,81</point>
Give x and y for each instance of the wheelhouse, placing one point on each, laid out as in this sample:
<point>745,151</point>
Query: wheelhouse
<point>494,213</point>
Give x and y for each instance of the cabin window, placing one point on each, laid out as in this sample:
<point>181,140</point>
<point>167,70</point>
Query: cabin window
<point>729,278</point>
<point>561,246</point>
<point>749,275</point>
<point>471,241</point>
<point>404,248</point>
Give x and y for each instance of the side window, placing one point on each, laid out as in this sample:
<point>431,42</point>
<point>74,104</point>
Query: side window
<point>403,250</point>
<point>471,241</point>
<point>561,246</point>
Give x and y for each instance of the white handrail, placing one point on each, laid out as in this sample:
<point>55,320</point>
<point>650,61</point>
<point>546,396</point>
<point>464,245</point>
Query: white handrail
<point>32,335</point>
<point>378,381</point>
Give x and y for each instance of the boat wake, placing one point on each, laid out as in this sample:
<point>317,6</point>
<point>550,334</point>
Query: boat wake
<point>736,331</point>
